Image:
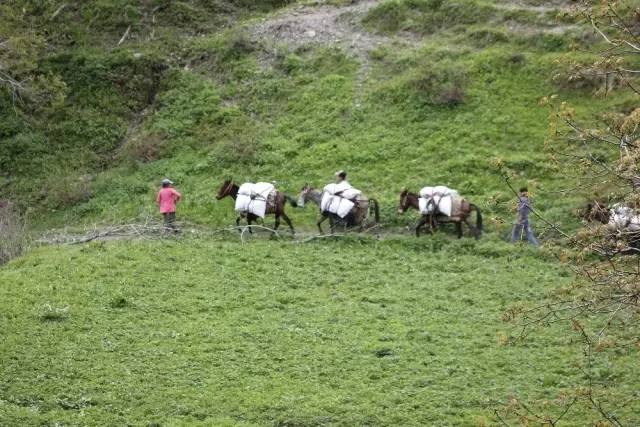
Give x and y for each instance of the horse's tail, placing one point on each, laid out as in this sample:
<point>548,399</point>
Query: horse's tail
<point>376,210</point>
<point>478,217</point>
<point>291,200</point>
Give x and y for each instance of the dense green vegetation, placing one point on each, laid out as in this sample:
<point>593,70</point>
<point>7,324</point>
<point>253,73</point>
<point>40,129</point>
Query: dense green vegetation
<point>202,108</point>
<point>214,332</point>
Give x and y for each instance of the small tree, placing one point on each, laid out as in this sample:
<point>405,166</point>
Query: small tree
<point>602,306</point>
<point>13,233</point>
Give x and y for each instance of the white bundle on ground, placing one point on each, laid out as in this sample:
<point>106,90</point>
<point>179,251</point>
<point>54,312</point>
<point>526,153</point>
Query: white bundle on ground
<point>338,204</point>
<point>252,198</point>
<point>437,199</point>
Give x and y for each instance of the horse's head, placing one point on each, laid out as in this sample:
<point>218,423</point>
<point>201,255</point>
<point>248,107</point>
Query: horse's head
<point>597,211</point>
<point>225,189</point>
<point>304,195</point>
<point>404,201</point>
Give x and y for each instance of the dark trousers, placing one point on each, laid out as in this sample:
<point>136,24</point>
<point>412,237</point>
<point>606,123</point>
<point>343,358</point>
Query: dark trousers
<point>170,221</point>
<point>520,229</point>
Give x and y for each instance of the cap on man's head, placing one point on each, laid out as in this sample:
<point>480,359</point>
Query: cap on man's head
<point>166,181</point>
<point>524,189</point>
<point>341,174</point>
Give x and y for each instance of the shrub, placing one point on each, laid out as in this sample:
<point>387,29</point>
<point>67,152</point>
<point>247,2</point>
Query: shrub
<point>149,148</point>
<point>428,84</point>
<point>439,86</point>
<point>517,59</point>
<point>67,190</point>
<point>387,16</point>
<point>14,238</point>
<point>450,96</point>
<point>440,15</point>
<point>546,42</point>
<point>486,37</point>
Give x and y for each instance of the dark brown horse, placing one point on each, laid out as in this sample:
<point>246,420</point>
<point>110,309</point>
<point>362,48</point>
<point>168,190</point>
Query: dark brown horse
<point>461,213</point>
<point>597,211</point>
<point>277,208</point>
<point>358,216</point>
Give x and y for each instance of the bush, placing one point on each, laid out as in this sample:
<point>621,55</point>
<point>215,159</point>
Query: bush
<point>14,239</point>
<point>450,96</point>
<point>430,84</point>
<point>67,190</point>
<point>149,148</point>
<point>439,86</point>
<point>387,16</point>
<point>486,37</point>
<point>438,15</point>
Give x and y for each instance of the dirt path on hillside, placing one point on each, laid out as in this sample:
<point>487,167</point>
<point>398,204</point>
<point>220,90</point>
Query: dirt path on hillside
<point>140,231</point>
<point>152,230</point>
<point>328,25</point>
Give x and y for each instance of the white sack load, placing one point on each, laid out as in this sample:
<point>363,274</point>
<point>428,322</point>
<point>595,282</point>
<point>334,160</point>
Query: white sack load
<point>439,190</point>
<point>244,197</point>
<point>343,186</point>
<point>252,198</point>
<point>337,204</point>
<point>351,193</point>
<point>262,190</point>
<point>425,206</point>
<point>345,207</point>
<point>624,217</point>
<point>426,192</point>
<point>327,198</point>
<point>246,189</point>
<point>441,205</point>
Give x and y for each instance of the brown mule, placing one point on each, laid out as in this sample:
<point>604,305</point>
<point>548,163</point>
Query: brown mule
<point>460,214</point>
<point>228,188</point>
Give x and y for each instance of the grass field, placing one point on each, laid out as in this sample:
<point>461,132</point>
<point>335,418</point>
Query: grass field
<point>203,331</point>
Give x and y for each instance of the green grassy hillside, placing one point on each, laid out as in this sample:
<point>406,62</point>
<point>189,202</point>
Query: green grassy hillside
<point>419,104</point>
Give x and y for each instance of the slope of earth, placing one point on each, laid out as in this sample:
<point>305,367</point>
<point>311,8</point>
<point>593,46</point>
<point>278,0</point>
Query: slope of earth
<point>339,333</point>
<point>399,93</point>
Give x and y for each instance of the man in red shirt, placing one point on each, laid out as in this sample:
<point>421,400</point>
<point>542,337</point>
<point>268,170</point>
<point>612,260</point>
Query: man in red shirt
<point>167,199</point>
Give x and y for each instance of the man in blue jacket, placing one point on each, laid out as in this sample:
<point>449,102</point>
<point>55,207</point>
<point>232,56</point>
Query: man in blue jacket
<point>524,207</point>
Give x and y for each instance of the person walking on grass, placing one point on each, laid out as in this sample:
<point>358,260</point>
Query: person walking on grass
<point>523,225</point>
<point>167,199</point>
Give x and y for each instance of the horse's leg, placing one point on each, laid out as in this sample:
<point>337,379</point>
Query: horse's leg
<point>288,221</point>
<point>472,228</point>
<point>422,222</point>
<point>322,218</point>
<point>331,223</point>
<point>238,218</point>
<point>277,224</point>
<point>459,229</point>
<point>249,223</point>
